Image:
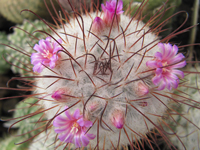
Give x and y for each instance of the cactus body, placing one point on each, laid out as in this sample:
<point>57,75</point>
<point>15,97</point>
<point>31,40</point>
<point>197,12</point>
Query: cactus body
<point>185,129</point>
<point>23,108</point>
<point>4,66</point>
<point>152,8</point>
<point>88,81</point>
<point>11,9</point>
<point>8,143</point>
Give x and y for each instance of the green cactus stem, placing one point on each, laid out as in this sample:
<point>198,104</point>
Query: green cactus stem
<point>152,7</point>
<point>8,143</point>
<point>11,9</point>
<point>25,108</point>
<point>4,66</point>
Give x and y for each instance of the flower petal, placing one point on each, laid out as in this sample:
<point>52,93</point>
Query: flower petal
<point>76,114</point>
<point>179,65</point>
<point>156,80</point>
<point>77,141</point>
<point>84,140</point>
<point>158,55</point>
<point>151,64</point>
<point>162,85</point>
<point>178,73</point>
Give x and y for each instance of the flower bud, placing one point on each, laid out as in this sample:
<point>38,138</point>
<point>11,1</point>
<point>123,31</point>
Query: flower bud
<point>60,94</point>
<point>118,118</point>
<point>142,89</point>
<point>97,25</point>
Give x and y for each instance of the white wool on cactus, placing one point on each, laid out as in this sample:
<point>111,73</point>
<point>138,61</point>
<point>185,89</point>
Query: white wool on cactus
<point>101,70</point>
<point>103,76</point>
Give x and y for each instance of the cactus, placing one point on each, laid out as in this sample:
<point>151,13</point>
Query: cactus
<point>11,9</point>
<point>25,108</point>
<point>76,4</point>
<point>39,144</point>
<point>106,80</point>
<point>19,39</point>
<point>152,8</point>
<point>183,128</point>
<point>4,66</point>
<point>8,143</point>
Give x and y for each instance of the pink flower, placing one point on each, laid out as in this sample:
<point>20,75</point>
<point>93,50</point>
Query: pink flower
<point>73,128</point>
<point>46,54</point>
<point>165,64</point>
<point>109,10</point>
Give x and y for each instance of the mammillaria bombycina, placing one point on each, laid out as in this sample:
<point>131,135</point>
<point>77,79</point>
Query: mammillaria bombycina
<point>106,80</point>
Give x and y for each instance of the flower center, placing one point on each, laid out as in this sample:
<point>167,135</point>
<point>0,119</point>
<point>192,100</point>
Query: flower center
<point>75,127</point>
<point>165,68</point>
<point>47,54</point>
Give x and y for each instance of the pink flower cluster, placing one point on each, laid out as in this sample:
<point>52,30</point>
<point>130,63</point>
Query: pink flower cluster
<point>73,128</point>
<point>46,54</point>
<point>109,12</point>
<point>165,64</point>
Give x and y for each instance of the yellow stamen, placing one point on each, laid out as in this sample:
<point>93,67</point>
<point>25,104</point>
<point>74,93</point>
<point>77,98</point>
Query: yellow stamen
<point>47,54</point>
